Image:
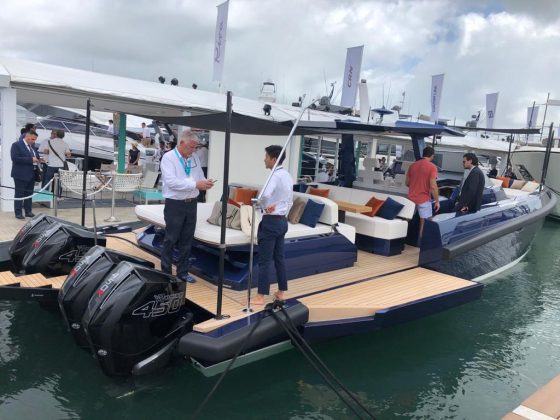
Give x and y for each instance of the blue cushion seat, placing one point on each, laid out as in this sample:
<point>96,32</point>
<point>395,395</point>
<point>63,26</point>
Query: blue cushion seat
<point>312,213</point>
<point>389,209</point>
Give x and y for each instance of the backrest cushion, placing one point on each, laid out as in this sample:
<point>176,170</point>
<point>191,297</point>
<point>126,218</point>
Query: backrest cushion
<point>505,181</point>
<point>233,216</point>
<point>244,195</point>
<point>389,209</point>
<point>320,192</point>
<point>530,186</point>
<point>375,205</point>
<point>311,213</point>
<point>518,184</point>
<point>294,216</point>
<point>497,182</point>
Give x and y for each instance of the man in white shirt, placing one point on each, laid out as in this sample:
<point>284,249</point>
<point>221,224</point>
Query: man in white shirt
<point>276,201</point>
<point>146,139</point>
<point>182,180</point>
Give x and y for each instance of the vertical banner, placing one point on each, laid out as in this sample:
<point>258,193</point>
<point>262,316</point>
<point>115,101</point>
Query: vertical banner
<point>351,76</point>
<point>220,41</point>
<point>435,95</point>
<point>532,115</point>
<point>491,104</point>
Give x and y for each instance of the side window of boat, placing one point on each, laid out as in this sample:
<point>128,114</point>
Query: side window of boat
<point>52,125</point>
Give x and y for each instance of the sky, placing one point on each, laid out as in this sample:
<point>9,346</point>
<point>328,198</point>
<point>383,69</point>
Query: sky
<point>506,46</point>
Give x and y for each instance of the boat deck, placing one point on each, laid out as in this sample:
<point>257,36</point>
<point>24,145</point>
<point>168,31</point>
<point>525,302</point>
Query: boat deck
<point>375,283</point>
<point>543,404</point>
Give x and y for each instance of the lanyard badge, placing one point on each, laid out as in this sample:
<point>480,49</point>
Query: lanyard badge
<point>186,166</point>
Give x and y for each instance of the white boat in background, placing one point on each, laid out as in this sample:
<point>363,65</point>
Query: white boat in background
<point>268,92</point>
<point>527,162</point>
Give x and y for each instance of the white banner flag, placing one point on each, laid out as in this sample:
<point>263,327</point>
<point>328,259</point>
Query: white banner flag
<point>532,114</point>
<point>435,95</point>
<point>491,104</point>
<point>220,41</point>
<point>351,76</point>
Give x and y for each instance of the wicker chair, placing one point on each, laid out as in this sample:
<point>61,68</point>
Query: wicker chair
<point>73,181</point>
<point>125,183</point>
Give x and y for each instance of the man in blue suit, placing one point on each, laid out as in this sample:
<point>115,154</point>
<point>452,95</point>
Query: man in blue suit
<point>24,161</point>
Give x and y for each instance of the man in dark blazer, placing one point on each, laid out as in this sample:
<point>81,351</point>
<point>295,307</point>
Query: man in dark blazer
<point>24,161</point>
<point>470,197</point>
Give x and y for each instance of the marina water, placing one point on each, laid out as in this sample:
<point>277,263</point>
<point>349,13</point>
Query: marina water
<point>477,361</point>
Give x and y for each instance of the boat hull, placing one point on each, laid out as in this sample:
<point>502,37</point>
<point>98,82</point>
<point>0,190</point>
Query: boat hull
<point>475,246</point>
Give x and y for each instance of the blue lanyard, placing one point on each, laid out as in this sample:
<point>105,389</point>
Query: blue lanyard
<point>186,166</point>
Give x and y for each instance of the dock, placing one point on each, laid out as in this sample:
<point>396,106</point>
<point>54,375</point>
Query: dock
<point>542,405</point>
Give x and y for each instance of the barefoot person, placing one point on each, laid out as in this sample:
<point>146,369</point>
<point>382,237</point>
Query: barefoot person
<point>276,202</point>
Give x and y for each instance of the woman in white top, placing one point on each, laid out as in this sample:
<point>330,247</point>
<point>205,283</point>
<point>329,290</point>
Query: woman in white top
<point>57,151</point>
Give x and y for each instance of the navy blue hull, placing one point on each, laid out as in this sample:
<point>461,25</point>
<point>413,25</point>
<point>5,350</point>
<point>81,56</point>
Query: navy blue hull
<point>304,257</point>
<point>488,257</point>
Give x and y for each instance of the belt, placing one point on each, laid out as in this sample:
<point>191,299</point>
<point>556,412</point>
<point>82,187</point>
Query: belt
<point>184,200</point>
<point>276,216</point>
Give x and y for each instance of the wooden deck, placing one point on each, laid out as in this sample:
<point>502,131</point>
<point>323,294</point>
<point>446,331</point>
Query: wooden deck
<point>543,404</point>
<point>374,282</point>
<point>7,278</point>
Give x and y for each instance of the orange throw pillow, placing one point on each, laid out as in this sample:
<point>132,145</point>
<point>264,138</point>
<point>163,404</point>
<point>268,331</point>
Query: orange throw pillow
<point>375,205</point>
<point>244,195</point>
<point>320,192</point>
<point>505,181</point>
<point>234,203</point>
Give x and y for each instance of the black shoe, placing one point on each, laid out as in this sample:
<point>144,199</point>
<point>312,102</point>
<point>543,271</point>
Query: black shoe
<point>187,278</point>
<point>29,215</point>
<point>19,216</point>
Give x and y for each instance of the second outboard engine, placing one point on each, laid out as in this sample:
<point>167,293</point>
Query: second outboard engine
<point>83,281</point>
<point>57,249</point>
<point>135,318</point>
<point>27,235</point>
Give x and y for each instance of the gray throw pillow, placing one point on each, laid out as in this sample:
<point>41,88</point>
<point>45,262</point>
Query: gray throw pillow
<point>233,216</point>
<point>296,211</point>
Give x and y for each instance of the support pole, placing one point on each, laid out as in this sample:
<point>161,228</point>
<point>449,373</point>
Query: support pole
<point>86,161</point>
<point>122,142</point>
<point>56,187</point>
<point>547,155</point>
<point>112,218</point>
<point>225,194</point>
<point>544,118</point>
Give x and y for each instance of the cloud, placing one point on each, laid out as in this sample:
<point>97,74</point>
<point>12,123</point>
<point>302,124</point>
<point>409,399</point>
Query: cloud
<point>482,47</point>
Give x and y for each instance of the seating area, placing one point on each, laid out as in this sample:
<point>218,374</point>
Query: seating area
<point>515,188</point>
<point>380,235</point>
<point>210,234</point>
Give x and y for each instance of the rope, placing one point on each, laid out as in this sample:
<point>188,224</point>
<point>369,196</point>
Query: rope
<point>29,196</point>
<point>100,189</point>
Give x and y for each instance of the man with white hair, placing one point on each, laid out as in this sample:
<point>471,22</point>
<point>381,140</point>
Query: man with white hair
<point>182,180</point>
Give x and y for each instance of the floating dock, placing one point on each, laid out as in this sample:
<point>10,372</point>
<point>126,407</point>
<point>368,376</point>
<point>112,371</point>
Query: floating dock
<point>542,405</point>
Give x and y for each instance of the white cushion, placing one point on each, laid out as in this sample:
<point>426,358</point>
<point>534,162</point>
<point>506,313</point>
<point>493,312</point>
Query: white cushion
<point>377,227</point>
<point>356,196</point>
<point>511,192</point>
<point>153,213</point>
<point>530,186</point>
<point>329,216</point>
<point>496,182</point>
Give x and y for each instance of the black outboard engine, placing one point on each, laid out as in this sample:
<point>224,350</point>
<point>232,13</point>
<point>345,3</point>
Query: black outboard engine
<point>27,235</point>
<point>135,318</point>
<point>57,249</point>
<point>83,281</point>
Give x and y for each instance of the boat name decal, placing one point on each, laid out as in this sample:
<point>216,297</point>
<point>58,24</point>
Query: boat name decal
<point>162,304</point>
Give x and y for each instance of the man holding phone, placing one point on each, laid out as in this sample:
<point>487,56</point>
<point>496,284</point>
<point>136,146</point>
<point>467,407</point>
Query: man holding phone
<point>183,179</point>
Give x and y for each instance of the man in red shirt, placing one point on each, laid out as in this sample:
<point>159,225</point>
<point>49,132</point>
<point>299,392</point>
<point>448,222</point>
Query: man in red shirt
<point>421,181</point>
